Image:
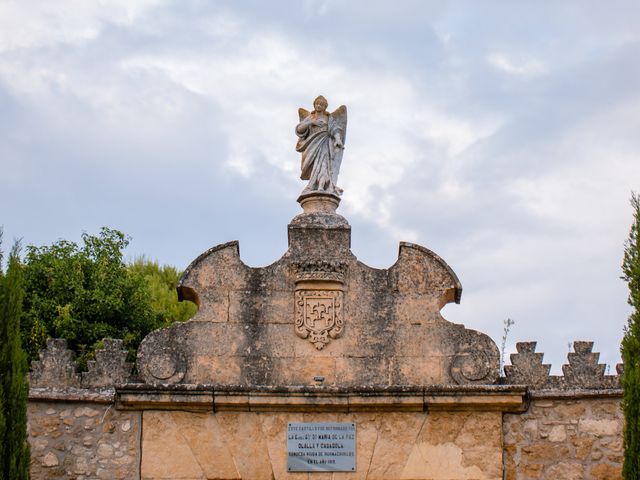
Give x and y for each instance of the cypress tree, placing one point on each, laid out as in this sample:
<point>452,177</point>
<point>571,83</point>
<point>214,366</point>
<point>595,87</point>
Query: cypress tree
<point>14,449</point>
<point>631,349</point>
<point>3,420</point>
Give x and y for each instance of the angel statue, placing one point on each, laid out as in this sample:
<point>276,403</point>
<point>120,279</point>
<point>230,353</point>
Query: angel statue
<point>321,142</point>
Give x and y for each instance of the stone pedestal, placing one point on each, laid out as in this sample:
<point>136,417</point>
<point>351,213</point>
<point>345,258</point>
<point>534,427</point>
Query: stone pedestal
<point>319,202</point>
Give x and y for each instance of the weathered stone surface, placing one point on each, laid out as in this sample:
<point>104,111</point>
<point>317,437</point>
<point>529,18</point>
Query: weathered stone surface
<point>583,369</point>
<point>526,366</point>
<point>605,471</point>
<point>56,367</point>
<point>321,137</point>
<point>321,399</point>
<point>83,440</point>
<point>437,446</point>
<point>567,438</point>
<point>109,367</point>
<point>50,460</point>
<point>600,427</point>
<point>185,445</point>
<point>359,325</point>
<point>566,470</point>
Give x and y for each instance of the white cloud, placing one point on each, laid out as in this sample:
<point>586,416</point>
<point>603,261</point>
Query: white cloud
<point>454,134</point>
<point>316,8</point>
<point>40,23</point>
<point>254,86</point>
<point>525,220</point>
<point>383,140</point>
<point>593,175</point>
<point>525,68</point>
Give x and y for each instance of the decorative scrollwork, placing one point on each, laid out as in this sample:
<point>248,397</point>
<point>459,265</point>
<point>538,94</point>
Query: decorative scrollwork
<point>469,367</point>
<point>321,270</point>
<point>166,366</point>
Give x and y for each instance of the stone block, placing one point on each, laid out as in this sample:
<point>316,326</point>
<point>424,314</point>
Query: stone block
<point>526,366</point>
<point>566,471</point>
<point>50,460</point>
<point>418,371</point>
<point>56,367</point>
<point>604,471</point>
<point>544,452</point>
<point>583,369</point>
<point>267,306</point>
<point>109,367</point>
<point>358,371</point>
<point>600,427</point>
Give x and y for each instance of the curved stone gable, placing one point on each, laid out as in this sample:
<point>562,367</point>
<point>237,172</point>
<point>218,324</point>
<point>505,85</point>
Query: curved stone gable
<point>318,316</point>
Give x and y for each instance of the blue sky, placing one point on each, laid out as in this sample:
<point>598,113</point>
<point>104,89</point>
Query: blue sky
<point>501,135</point>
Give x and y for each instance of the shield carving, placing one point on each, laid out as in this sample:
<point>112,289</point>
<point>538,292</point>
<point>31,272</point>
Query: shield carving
<point>319,315</point>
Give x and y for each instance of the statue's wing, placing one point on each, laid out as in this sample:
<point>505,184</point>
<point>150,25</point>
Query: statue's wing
<point>302,113</point>
<point>340,115</point>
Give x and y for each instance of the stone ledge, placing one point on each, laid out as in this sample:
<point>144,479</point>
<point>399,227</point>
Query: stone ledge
<point>269,398</point>
<point>576,393</point>
<point>188,400</point>
<point>71,394</point>
<point>310,399</point>
<point>513,402</point>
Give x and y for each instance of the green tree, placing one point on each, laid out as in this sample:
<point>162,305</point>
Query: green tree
<point>14,449</point>
<point>161,282</point>
<point>84,293</point>
<point>631,349</point>
<point>87,292</point>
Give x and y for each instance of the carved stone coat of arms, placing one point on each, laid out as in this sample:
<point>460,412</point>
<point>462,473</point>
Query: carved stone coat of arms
<point>319,315</point>
<point>319,301</point>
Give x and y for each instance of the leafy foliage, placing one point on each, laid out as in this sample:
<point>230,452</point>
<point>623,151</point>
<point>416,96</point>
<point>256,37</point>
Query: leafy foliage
<point>14,449</point>
<point>162,281</point>
<point>86,293</point>
<point>631,349</point>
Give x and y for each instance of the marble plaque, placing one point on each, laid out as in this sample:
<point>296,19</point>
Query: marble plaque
<point>321,447</point>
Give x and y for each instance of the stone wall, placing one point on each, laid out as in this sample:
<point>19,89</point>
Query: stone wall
<point>529,425</point>
<point>573,426</point>
<point>390,445</point>
<point>83,440</point>
<point>75,431</point>
<point>568,437</point>
<point>563,437</point>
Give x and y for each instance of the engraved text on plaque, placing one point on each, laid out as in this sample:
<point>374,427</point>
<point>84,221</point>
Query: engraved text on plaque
<point>321,447</point>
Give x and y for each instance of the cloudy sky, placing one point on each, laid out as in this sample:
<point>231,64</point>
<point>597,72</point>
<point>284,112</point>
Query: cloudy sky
<point>505,136</point>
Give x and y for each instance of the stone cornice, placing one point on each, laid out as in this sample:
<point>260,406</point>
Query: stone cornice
<point>310,399</point>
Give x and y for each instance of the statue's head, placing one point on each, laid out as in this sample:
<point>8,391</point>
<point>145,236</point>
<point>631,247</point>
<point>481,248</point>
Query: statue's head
<point>320,104</point>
